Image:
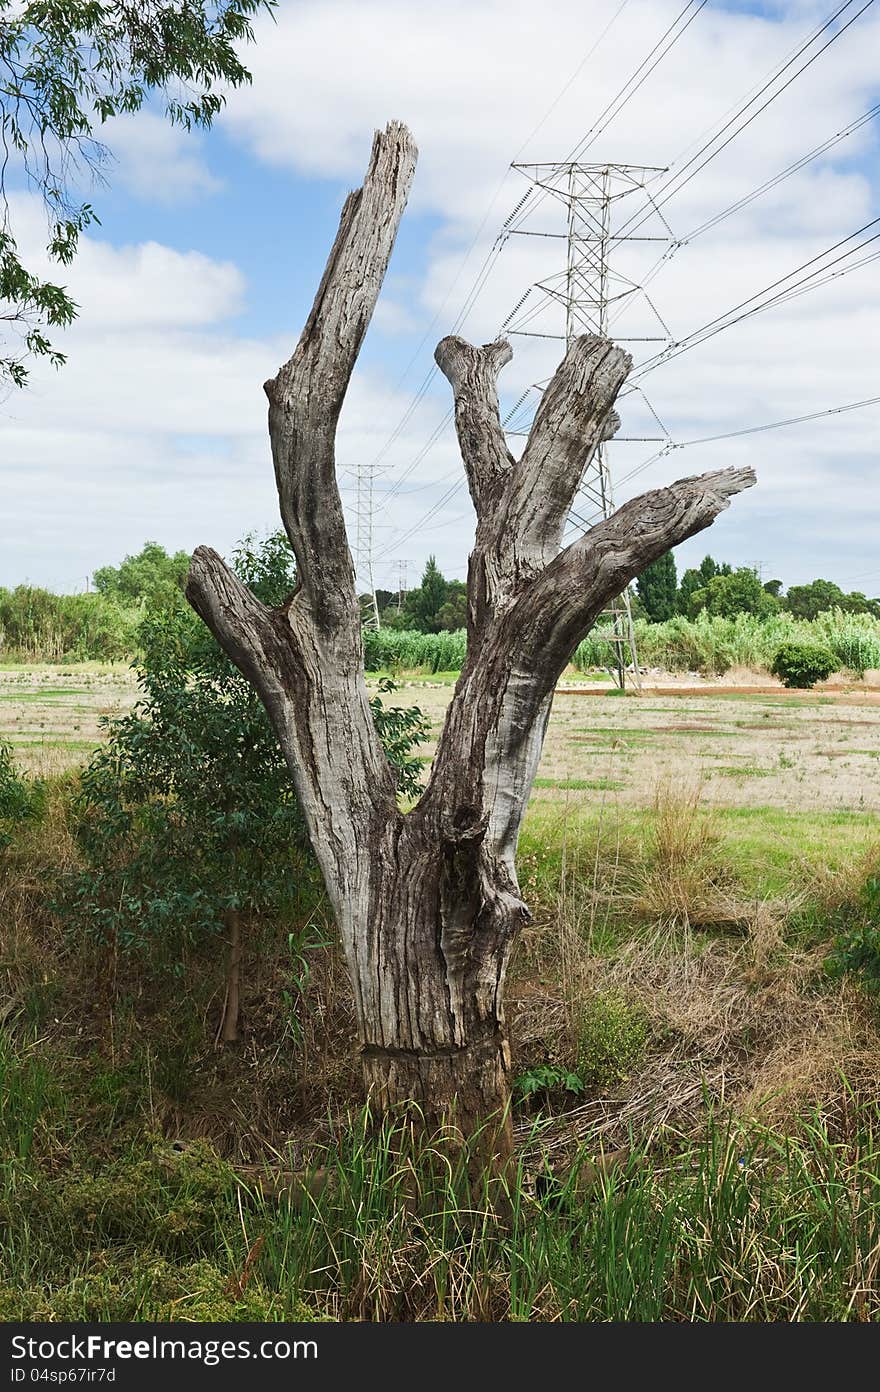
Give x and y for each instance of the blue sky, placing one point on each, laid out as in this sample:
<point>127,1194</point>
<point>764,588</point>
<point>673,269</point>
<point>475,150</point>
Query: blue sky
<point>195,286</point>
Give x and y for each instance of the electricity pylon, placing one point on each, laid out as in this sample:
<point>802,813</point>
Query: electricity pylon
<point>588,289</point>
<point>363,545</point>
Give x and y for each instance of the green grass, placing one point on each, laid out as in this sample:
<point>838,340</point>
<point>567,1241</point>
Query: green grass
<point>102,1218</point>
<point>613,733</point>
<point>61,742</point>
<point>48,696</point>
<point>742,1225</point>
<point>773,852</point>
<point>414,677</point>
<point>741,771</point>
<point>601,785</point>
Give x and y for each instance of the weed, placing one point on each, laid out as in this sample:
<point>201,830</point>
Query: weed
<point>612,1036</point>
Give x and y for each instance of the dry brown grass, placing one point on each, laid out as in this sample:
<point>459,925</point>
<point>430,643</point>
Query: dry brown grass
<point>746,1019</point>
<point>684,881</point>
<point>743,1018</point>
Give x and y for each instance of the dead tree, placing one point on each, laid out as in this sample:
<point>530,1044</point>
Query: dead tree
<point>427,901</point>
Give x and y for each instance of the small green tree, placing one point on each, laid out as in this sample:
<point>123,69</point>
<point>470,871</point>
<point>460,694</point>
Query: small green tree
<point>452,615</point>
<point>423,605</point>
<point>806,601</point>
<point>737,592</point>
<point>657,589</point>
<point>188,817</point>
<point>152,576</point>
<point>697,579</point>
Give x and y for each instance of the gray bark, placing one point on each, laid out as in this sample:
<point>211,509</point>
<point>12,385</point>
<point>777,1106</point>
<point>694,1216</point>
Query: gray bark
<point>428,904</point>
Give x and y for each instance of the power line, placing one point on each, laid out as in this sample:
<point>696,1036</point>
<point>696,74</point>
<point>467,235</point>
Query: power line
<point>623,96</point>
<point>783,174</point>
<point>725,321</point>
<point>818,277</point>
<point>675,185</point>
<point>495,249</point>
<point>795,167</point>
<point>780,424</point>
<point>638,219</point>
<point>751,430</point>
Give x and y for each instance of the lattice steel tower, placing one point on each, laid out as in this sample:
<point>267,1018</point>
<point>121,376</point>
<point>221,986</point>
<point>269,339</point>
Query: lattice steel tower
<point>363,545</point>
<point>587,290</point>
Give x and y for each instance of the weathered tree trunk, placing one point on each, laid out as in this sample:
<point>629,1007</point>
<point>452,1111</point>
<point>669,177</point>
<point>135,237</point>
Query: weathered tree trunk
<point>428,903</point>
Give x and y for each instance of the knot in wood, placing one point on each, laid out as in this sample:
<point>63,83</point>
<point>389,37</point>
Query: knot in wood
<point>463,825</point>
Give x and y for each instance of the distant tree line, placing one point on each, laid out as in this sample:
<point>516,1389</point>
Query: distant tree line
<point>436,605</point>
<point>724,591</point>
<point>37,625</point>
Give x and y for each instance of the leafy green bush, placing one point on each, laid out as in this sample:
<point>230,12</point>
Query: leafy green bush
<point>187,812</point>
<point>20,798</point>
<point>151,576</point>
<point>611,1040</point>
<point>803,664</point>
<point>857,946</point>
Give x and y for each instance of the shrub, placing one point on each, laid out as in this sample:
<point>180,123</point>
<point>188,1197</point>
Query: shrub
<point>188,812</point>
<point>19,798</point>
<point>36,625</point>
<point>857,946</point>
<point>803,664</point>
<point>611,1040</point>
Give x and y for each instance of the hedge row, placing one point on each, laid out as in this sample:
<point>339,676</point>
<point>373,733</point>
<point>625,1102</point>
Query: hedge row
<point>712,645</point>
<point>396,650</point>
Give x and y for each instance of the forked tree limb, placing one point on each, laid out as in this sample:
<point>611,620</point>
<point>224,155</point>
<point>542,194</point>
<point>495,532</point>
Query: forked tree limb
<point>503,695</point>
<point>575,414</point>
<point>522,505</point>
<point>473,375</point>
<point>563,602</point>
<point>306,396</point>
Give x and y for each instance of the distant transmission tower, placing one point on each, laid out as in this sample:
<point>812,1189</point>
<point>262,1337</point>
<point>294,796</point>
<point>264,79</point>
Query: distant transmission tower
<point>587,290</point>
<point>363,545</point>
<point>402,567</point>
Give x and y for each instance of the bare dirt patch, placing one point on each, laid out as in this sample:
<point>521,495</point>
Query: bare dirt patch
<point>795,750</point>
<point>52,715</point>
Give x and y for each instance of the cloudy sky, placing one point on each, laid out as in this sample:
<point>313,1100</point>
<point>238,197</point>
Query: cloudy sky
<point>194,288</point>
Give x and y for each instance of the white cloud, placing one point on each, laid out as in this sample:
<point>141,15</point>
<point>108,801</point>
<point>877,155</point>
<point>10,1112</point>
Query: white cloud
<point>473,80</point>
<point>157,425</point>
<point>130,287</point>
<point>158,162</point>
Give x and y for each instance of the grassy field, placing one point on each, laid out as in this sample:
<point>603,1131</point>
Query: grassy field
<point>791,750</point>
<point>696,1101</point>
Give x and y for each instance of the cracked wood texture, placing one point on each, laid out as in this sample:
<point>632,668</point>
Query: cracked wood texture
<point>427,902</point>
